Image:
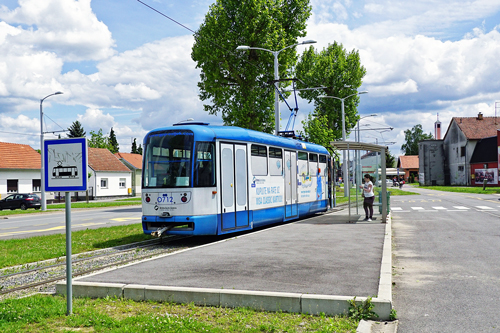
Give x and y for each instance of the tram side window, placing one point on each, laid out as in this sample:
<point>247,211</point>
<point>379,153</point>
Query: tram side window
<point>204,172</point>
<point>275,161</point>
<point>302,164</point>
<point>259,160</point>
<point>323,165</point>
<point>313,165</point>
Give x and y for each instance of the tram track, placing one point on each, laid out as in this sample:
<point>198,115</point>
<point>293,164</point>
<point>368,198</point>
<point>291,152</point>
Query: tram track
<point>43,278</point>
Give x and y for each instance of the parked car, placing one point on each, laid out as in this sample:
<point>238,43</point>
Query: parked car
<point>20,200</point>
<point>388,183</point>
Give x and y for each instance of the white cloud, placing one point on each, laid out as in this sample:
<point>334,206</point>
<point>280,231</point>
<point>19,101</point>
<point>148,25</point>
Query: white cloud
<point>95,119</point>
<point>66,27</point>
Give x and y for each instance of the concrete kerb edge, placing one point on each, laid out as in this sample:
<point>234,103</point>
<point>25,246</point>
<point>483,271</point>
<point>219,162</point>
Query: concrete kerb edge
<point>259,300</point>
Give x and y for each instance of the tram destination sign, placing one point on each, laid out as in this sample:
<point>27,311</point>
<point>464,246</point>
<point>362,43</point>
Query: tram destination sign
<point>65,165</point>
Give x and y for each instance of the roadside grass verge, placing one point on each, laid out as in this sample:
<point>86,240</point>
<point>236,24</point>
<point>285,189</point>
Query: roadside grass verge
<point>463,189</point>
<point>28,250</point>
<point>92,204</point>
<point>44,313</point>
<point>394,191</point>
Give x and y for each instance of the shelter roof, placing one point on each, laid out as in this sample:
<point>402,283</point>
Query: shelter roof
<point>19,156</point>
<point>408,162</point>
<point>475,128</point>
<point>101,159</point>
<point>133,159</point>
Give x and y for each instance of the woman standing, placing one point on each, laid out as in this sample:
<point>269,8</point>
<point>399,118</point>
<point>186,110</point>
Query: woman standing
<point>369,196</point>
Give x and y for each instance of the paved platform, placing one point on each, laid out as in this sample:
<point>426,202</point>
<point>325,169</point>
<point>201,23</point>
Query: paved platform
<point>310,266</point>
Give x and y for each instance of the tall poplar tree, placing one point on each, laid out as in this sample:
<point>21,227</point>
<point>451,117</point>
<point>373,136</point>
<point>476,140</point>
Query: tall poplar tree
<point>341,73</point>
<point>114,147</point>
<point>238,84</point>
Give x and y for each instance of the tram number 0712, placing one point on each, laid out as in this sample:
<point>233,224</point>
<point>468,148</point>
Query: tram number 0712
<point>165,199</point>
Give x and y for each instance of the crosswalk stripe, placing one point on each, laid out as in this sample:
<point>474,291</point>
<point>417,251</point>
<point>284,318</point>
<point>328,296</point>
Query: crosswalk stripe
<point>461,207</point>
<point>417,208</point>
<point>396,208</point>
<point>439,208</point>
<point>484,207</point>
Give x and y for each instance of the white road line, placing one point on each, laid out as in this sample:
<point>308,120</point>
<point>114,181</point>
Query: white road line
<point>484,207</point>
<point>417,208</point>
<point>461,207</point>
<point>439,207</point>
<point>396,208</point>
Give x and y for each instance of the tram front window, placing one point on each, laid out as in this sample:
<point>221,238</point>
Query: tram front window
<point>167,160</point>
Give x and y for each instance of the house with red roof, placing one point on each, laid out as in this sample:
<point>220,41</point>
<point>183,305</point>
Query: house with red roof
<point>408,164</point>
<point>448,161</point>
<point>108,176</point>
<point>134,163</point>
<point>19,169</point>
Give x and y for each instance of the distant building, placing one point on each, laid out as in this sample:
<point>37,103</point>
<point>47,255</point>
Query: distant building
<point>108,176</point>
<point>134,163</point>
<point>408,167</point>
<point>19,169</point>
<point>448,161</point>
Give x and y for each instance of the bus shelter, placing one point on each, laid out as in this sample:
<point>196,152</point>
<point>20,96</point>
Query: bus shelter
<point>361,146</point>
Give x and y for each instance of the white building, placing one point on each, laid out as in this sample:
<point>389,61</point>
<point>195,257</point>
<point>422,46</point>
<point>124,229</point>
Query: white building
<point>108,177</point>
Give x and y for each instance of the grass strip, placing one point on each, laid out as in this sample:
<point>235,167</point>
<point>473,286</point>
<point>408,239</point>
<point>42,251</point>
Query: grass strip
<point>44,313</point>
<point>463,189</point>
<point>27,250</point>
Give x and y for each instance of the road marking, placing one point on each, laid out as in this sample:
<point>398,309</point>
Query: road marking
<point>417,208</point>
<point>484,207</point>
<point>49,229</point>
<point>461,207</point>
<point>123,219</point>
<point>396,208</point>
<point>439,208</point>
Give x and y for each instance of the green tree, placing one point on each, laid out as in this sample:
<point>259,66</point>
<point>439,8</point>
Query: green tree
<point>412,138</point>
<point>341,73</point>
<point>98,140</point>
<point>390,160</point>
<point>134,147</point>
<point>76,130</point>
<point>238,84</point>
<point>315,131</point>
<point>113,143</point>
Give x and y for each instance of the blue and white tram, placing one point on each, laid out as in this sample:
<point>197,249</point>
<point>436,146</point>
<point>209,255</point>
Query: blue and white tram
<point>199,179</point>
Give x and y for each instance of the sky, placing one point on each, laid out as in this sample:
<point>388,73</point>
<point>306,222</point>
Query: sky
<point>119,64</point>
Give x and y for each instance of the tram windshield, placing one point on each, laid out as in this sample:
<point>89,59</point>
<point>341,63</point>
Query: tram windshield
<point>167,160</point>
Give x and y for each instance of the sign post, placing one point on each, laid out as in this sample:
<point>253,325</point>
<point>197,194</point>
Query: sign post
<point>65,167</point>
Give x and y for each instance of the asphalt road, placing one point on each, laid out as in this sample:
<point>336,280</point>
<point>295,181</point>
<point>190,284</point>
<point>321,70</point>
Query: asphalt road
<point>29,225</point>
<point>446,254</point>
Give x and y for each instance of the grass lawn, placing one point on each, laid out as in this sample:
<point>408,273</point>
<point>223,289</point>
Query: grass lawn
<point>44,313</point>
<point>27,250</point>
<point>463,189</point>
<point>393,190</point>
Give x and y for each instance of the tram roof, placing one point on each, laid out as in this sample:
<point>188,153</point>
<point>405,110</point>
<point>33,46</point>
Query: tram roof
<point>204,132</point>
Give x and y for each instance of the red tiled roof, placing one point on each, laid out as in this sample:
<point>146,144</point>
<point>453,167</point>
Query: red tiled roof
<point>408,162</point>
<point>19,156</point>
<point>134,159</point>
<point>475,129</point>
<point>101,159</point>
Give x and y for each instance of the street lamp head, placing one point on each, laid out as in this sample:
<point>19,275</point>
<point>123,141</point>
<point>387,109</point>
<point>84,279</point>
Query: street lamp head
<point>362,92</point>
<point>58,93</point>
<point>243,48</point>
<point>309,41</point>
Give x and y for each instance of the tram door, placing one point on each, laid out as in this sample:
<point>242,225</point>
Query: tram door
<point>234,183</point>
<point>290,184</point>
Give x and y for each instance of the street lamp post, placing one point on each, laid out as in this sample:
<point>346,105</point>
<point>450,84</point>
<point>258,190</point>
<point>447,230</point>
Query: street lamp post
<point>276,77</point>
<point>42,169</point>
<point>359,169</point>
<point>344,163</point>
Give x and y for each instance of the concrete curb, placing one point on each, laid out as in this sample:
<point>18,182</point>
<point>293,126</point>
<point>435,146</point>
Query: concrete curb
<point>259,300</point>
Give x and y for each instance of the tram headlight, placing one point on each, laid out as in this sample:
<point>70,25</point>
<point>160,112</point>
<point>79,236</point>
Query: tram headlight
<point>148,199</point>
<point>184,199</point>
